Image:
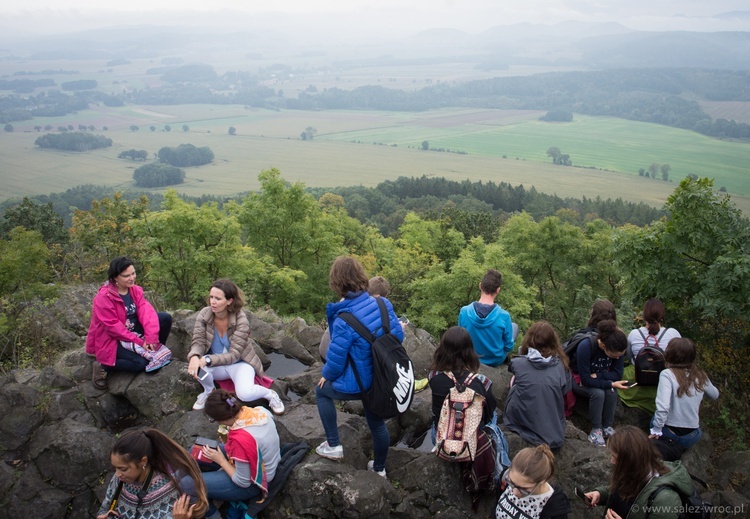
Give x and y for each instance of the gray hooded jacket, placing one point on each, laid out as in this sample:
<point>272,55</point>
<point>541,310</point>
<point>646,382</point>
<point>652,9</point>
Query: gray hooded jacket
<point>534,408</point>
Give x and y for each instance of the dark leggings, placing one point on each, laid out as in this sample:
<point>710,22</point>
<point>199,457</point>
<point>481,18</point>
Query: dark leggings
<point>128,360</point>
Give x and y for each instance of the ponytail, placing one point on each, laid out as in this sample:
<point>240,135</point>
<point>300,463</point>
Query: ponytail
<point>653,314</point>
<point>165,456</point>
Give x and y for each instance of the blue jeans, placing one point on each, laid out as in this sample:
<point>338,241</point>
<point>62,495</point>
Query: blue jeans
<point>220,486</point>
<point>685,442</point>
<point>381,440</point>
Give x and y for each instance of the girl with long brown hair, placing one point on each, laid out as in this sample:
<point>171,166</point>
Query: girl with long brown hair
<point>148,466</point>
<point>535,407</point>
<point>637,474</point>
<point>679,394</point>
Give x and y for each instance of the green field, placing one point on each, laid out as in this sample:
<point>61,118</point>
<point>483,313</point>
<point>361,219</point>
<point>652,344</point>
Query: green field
<point>363,147</point>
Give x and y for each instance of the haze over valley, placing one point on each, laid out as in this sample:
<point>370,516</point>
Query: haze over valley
<point>377,87</point>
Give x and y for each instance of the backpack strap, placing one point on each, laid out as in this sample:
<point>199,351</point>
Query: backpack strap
<point>384,319</point>
<point>360,328</point>
<point>652,497</point>
<point>663,331</point>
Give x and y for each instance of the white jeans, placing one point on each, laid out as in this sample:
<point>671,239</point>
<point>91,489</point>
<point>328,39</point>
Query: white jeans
<point>243,376</point>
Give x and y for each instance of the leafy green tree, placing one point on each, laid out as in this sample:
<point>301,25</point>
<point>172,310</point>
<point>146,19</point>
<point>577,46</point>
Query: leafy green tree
<point>653,169</point>
<point>308,134</point>
<point>697,261</point>
<point>152,128</point>
<point>139,155</point>
<point>167,128</point>
<point>77,141</point>
<point>188,247</point>
<point>23,262</point>
<point>134,128</point>
<point>232,130</point>
<point>566,266</point>
<point>185,155</point>
<point>158,175</point>
<point>288,225</point>
<point>433,237</point>
<point>185,128</point>
<point>37,217</point>
<point>8,127</point>
<point>425,145</point>
<point>103,233</point>
<point>665,169</point>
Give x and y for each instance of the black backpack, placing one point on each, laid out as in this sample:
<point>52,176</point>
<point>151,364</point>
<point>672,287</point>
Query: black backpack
<point>392,389</point>
<point>650,361</point>
<point>571,345</point>
<point>693,505</point>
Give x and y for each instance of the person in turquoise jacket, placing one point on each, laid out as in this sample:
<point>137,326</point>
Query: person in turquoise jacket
<point>488,324</point>
<point>637,475</point>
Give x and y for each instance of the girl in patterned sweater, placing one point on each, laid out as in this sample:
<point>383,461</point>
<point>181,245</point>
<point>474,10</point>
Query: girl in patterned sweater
<point>148,465</point>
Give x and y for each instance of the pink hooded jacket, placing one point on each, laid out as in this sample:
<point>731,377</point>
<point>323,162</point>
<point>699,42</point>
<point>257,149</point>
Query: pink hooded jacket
<point>108,323</point>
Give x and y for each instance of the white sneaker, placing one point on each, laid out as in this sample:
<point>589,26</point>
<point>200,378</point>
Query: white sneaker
<point>200,402</point>
<point>371,464</point>
<point>332,453</point>
<point>275,403</point>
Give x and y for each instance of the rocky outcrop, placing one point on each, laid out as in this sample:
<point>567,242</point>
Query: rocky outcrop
<point>57,429</point>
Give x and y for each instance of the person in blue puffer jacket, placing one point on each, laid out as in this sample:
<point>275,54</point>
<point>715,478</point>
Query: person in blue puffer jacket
<point>349,281</point>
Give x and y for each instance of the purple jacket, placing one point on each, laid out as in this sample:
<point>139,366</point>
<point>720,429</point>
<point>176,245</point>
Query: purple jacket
<point>108,323</point>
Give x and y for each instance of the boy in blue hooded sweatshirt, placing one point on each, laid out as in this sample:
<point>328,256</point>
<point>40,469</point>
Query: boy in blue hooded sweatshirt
<point>488,324</point>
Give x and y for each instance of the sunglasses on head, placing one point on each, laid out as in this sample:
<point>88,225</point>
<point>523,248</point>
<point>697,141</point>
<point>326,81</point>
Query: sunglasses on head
<point>521,490</point>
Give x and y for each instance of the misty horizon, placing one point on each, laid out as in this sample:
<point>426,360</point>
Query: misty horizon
<point>328,24</point>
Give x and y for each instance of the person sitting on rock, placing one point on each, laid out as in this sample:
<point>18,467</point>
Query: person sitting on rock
<point>535,407</point>
<point>347,279</point>
<point>599,364</point>
<point>222,349</point>
<point>526,490</point>
<point>252,446</point>
<point>638,473</point>
<point>126,333</point>
<point>147,464</point>
<point>455,354</point>
<point>488,323</point>
<point>679,394</point>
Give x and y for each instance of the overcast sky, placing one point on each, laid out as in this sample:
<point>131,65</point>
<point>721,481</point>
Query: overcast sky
<point>399,16</point>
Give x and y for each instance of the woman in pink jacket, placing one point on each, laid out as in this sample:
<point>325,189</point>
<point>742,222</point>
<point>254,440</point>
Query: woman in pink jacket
<point>126,333</point>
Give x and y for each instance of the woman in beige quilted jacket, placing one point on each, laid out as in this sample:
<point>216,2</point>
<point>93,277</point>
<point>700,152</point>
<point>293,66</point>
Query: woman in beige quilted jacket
<point>221,348</point>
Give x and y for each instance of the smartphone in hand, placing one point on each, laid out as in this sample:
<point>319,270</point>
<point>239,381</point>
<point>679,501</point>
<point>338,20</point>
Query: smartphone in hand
<point>202,373</point>
<point>207,442</point>
<point>582,496</point>
<point>630,383</point>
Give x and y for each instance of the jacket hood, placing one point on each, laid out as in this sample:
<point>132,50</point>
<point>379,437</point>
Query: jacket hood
<point>490,320</point>
<point>539,362</point>
<point>678,476</point>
